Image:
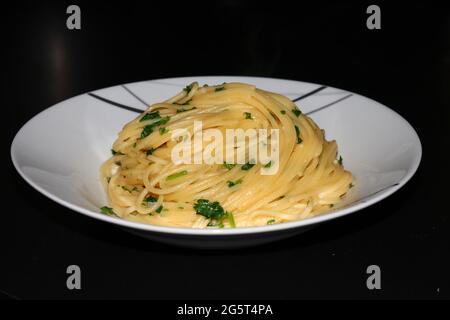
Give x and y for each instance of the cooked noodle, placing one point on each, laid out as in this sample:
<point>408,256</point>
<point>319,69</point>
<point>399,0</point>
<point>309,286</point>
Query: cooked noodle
<point>144,184</point>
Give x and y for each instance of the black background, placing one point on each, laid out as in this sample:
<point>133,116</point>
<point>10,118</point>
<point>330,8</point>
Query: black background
<point>405,65</point>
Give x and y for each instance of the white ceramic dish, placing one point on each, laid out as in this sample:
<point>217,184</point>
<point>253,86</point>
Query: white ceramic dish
<point>60,150</point>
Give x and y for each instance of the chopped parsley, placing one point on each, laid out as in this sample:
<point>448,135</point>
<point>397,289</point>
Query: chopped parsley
<point>296,112</point>
<point>230,218</point>
<point>162,121</point>
<point>150,116</point>
<point>229,166</point>
<point>331,205</point>
<point>116,153</point>
<point>247,166</point>
<point>340,160</point>
<point>188,88</point>
<point>268,164</point>
<point>180,110</point>
<point>184,103</point>
<point>176,175</point>
<point>208,209</point>
<point>214,212</point>
<point>283,111</point>
<point>126,189</point>
<point>219,89</point>
<point>233,183</point>
<point>107,210</point>
<point>150,151</point>
<point>271,221</point>
<point>160,208</point>
<point>248,115</point>
<point>351,185</point>
<point>148,129</point>
<point>297,131</point>
<point>108,179</point>
<point>163,130</point>
<point>150,199</point>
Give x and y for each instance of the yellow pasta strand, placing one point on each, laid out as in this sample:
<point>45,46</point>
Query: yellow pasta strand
<point>144,184</point>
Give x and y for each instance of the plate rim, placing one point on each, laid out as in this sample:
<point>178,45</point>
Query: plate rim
<point>339,212</point>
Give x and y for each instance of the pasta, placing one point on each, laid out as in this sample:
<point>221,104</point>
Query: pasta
<point>302,179</point>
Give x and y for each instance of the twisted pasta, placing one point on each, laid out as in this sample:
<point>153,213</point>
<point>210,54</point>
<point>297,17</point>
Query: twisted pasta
<point>144,183</point>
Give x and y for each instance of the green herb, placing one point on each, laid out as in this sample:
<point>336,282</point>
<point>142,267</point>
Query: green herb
<point>148,129</point>
<point>134,145</point>
<point>184,110</point>
<point>150,199</point>
<point>296,112</point>
<point>107,210</point>
<point>181,208</point>
<point>268,164</point>
<point>340,161</point>
<point>150,116</point>
<point>283,111</point>
<point>248,115</point>
<point>184,104</point>
<point>350,185</point>
<point>116,153</point>
<point>247,166</point>
<point>160,208</point>
<point>176,175</point>
<point>331,205</point>
<point>271,221</point>
<point>163,130</point>
<point>219,89</point>
<point>126,189</point>
<point>297,131</point>
<point>162,121</point>
<point>150,151</point>
<point>210,210</point>
<point>188,88</point>
<point>229,166</point>
<point>231,219</point>
<point>233,183</point>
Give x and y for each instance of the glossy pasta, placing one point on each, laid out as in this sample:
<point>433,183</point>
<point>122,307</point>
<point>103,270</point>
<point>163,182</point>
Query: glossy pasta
<point>144,184</point>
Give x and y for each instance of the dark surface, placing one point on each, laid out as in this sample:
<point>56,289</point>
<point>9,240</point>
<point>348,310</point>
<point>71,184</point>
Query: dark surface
<point>405,65</point>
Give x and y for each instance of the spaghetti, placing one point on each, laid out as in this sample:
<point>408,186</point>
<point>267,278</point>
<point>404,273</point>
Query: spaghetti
<point>144,184</point>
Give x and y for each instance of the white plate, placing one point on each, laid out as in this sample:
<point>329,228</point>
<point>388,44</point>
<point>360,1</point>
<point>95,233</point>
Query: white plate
<point>60,150</point>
